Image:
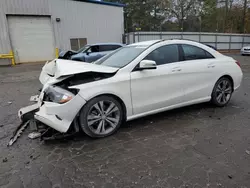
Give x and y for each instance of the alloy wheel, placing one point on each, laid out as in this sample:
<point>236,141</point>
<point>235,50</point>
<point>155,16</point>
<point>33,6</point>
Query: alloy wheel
<point>223,91</point>
<point>103,117</point>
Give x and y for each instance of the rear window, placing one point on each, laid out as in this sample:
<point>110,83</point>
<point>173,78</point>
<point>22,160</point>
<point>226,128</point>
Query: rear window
<point>109,47</point>
<point>193,52</point>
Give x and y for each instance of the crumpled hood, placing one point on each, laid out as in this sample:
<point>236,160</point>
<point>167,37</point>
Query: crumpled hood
<point>62,68</point>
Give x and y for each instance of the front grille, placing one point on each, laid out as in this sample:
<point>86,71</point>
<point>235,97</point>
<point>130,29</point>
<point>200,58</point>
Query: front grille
<point>247,49</point>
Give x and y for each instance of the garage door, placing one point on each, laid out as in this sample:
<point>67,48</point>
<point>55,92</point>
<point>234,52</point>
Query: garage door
<point>31,38</point>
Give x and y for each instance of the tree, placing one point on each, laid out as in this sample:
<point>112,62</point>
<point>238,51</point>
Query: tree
<point>185,9</point>
<point>187,15</point>
<point>242,30</point>
<point>147,14</point>
<point>209,16</point>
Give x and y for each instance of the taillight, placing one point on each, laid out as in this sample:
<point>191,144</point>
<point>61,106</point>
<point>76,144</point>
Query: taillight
<point>238,63</point>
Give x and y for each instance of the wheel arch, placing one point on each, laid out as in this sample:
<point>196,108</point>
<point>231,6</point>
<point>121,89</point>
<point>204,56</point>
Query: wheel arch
<point>229,77</point>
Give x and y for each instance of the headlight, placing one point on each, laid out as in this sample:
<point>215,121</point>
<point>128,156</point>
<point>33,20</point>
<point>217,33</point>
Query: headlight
<point>57,95</point>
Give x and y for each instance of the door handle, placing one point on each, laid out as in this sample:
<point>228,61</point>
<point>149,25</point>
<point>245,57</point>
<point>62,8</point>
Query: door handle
<point>211,66</point>
<point>176,69</point>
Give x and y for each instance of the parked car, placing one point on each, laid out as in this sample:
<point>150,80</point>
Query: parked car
<point>245,50</point>
<point>134,81</point>
<point>90,53</point>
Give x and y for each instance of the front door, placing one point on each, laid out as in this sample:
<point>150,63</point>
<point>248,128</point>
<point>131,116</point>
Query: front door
<point>158,88</point>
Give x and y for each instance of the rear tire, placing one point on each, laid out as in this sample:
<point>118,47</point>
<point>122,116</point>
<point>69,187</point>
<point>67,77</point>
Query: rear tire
<point>101,116</point>
<point>222,92</point>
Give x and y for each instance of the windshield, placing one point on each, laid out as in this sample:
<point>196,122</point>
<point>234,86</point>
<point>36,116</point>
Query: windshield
<point>121,57</point>
<point>83,48</point>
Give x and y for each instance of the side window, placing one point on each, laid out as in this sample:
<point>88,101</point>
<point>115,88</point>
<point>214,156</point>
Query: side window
<point>114,47</point>
<point>93,49</point>
<point>193,52</point>
<point>104,48</point>
<point>165,54</point>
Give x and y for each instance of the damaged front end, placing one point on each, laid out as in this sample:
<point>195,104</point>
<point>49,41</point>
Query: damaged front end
<point>53,114</point>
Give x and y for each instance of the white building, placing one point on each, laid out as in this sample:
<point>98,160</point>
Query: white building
<point>33,29</point>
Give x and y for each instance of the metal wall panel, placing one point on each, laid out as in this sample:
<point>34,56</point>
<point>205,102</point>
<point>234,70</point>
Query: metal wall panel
<point>35,7</point>
<point>172,36</point>
<point>236,46</point>
<point>236,39</point>
<point>97,23</point>
<point>207,38</point>
<point>141,37</point>
<point>223,41</point>
<point>191,37</point>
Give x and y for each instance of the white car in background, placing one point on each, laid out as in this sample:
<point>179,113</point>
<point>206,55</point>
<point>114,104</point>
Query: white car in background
<point>134,81</point>
<point>245,50</point>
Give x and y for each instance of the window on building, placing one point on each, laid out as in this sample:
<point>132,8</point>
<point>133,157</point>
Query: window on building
<point>77,43</point>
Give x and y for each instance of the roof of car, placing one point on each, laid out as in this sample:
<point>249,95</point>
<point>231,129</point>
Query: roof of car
<point>170,41</point>
<point>105,44</point>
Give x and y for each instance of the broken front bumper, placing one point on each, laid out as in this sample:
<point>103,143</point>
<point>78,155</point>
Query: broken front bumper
<point>54,115</point>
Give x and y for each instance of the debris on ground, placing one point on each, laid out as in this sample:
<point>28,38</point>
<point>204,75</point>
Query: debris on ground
<point>196,130</point>
<point>9,102</point>
<point>220,143</point>
<point>18,132</point>
<point>235,106</point>
<point>1,125</point>
<point>230,177</point>
<point>5,160</point>
<point>34,135</point>
<point>34,158</point>
<point>248,152</point>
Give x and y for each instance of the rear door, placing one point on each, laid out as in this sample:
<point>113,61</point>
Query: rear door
<point>199,70</point>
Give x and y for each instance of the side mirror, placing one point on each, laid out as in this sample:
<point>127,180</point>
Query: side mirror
<point>147,64</point>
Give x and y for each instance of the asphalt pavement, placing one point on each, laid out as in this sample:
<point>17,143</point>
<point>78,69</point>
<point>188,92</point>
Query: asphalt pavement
<point>196,146</point>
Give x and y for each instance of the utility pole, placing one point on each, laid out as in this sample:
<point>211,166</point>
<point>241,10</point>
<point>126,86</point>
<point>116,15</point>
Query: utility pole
<point>244,17</point>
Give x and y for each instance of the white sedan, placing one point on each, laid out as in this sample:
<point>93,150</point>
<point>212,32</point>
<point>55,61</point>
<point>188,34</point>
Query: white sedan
<point>134,81</point>
<point>245,50</point>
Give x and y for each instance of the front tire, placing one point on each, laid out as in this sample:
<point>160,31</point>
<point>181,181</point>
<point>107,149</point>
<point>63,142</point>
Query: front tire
<point>222,92</point>
<point>101,117</point>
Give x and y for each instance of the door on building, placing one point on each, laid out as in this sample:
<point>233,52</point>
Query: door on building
<point>32,38</point>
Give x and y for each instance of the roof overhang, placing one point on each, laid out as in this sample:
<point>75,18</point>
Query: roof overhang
<point>103,3</point>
